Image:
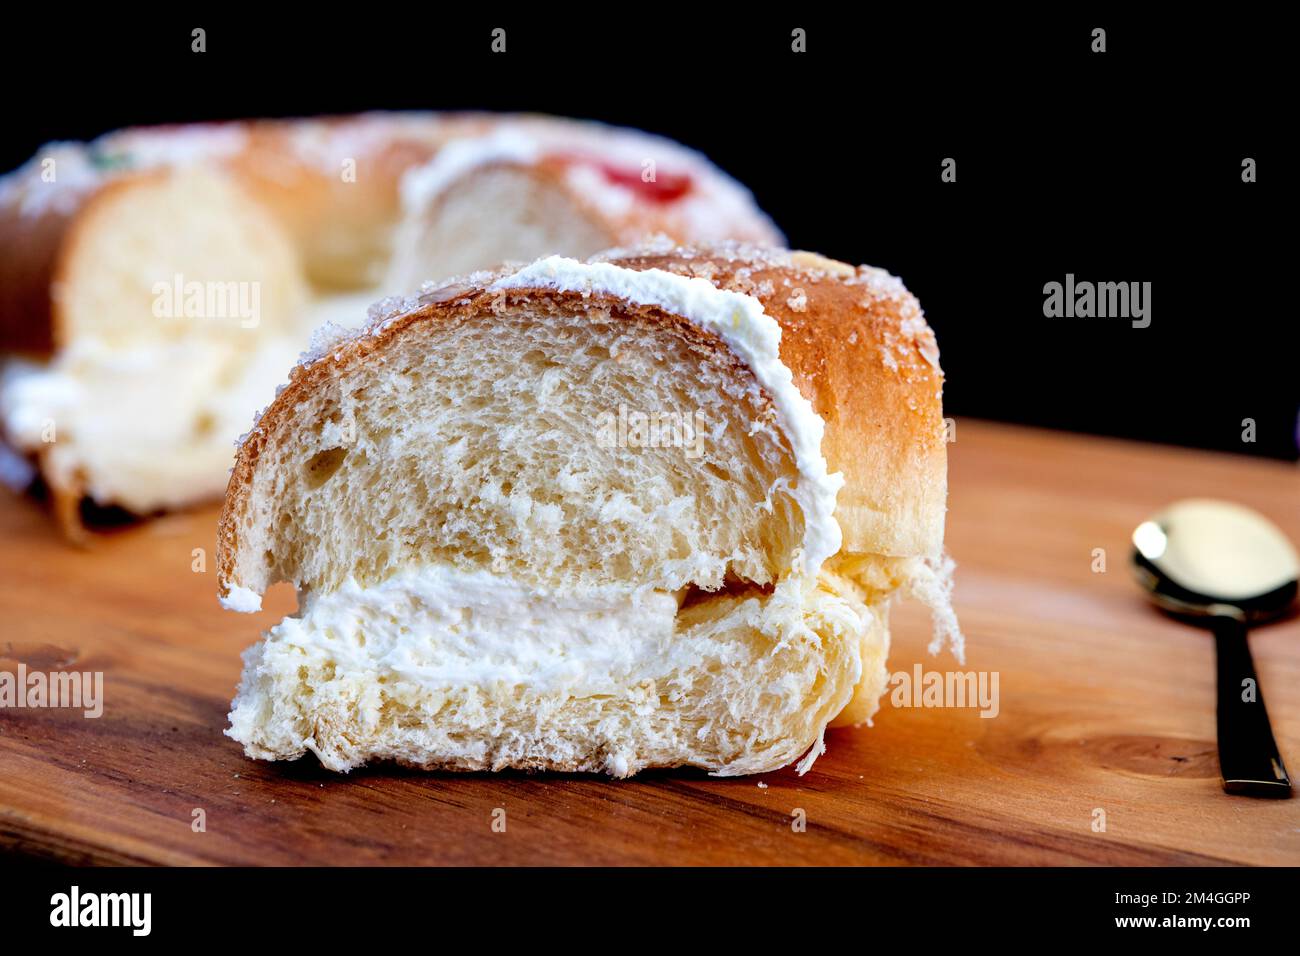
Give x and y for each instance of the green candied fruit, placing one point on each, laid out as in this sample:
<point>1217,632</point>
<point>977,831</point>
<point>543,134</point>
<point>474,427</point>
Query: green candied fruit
<point>110,160</point>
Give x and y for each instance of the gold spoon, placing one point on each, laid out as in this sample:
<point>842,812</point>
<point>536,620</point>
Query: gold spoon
<point>1223,566</point>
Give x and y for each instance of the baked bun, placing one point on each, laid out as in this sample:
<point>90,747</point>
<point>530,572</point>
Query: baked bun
<point>158,281</point>
<point>643,511</point>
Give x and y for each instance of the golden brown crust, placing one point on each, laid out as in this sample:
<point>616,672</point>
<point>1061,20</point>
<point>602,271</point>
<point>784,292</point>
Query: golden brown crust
<point>854,340</point>
<point>30,245</point>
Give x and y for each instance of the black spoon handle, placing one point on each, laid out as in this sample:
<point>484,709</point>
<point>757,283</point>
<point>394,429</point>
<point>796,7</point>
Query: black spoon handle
<point>1248,756</point>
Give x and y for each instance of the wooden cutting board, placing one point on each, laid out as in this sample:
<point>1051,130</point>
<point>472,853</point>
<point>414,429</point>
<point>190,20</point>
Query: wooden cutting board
<point>1106,711</point>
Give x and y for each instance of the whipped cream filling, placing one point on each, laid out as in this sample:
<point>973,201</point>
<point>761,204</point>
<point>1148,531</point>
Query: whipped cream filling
<point>152,426</point>
<point>442,626</point>
<point>754,337</point>
<point>146,428</point>
<point>438,625</point>
<point>437,635</point>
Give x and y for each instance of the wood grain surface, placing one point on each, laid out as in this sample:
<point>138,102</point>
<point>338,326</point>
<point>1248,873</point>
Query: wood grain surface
<point>1105,706</point>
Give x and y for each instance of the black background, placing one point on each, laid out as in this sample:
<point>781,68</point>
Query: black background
<point>1122,166</point>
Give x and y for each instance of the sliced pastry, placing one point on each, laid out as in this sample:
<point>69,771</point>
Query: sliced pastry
<point>646,510</point>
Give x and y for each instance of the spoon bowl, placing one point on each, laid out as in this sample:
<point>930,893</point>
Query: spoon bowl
<point>1207,557</point>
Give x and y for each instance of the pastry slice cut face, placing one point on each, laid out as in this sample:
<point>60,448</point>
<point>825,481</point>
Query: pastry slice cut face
<point>642,511</point>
